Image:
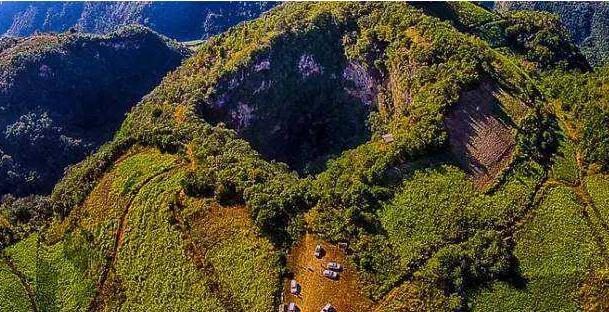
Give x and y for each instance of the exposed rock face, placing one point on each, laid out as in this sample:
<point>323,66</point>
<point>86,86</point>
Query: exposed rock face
<point>364,86</point>
<point>307,66</point>
<point>322,106</point>
<point>61,96</point>
<point>181,21</point>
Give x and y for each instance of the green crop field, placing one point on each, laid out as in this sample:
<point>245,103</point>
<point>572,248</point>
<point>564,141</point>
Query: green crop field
<point>245,264</point>
<point>55,273</point>
<point>454,155</point>
<point>421,215</point>
<point>13,296</point>
<point>554,249</point>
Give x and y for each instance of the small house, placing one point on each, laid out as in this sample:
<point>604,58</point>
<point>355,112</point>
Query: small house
<point>388,137</point>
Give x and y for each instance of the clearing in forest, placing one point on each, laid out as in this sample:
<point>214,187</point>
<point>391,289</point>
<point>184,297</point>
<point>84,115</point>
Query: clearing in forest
<point>345,293</point>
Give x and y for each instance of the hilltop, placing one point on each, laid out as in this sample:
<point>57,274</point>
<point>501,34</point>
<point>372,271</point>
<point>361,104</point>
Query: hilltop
<point>588,23</point>
<point>435,142</point>
<point>63,95</point>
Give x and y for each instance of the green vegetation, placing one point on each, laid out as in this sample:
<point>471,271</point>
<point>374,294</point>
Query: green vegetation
<point>13,296</point>
<point>587,23</point>
<point>151,264</point>
<point>581,101</point>
<point>56,274</point>
<point>333,118</point>
<point>554,249</point>
<point>63,95</point>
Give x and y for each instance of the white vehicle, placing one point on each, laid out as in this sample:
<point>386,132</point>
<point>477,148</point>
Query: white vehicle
<point>330,274</point>
<point>294,287</point>
<point>292,307</point>
<point>318,251</point>
<point>328,308</point>
<point>334,266</point>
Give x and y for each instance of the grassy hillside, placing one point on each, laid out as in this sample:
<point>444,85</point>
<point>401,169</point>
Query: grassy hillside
<point>373,125</point>
<point>137,243</point>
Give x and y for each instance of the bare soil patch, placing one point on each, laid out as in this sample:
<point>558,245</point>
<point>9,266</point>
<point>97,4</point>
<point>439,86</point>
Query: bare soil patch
<point>480,133</point>
<point>316,290</point>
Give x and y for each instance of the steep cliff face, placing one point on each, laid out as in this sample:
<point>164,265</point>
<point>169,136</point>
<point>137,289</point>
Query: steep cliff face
<point>423,142</point>
<point>63,95</point>
<point>181,21</point>
<point>297,102</point>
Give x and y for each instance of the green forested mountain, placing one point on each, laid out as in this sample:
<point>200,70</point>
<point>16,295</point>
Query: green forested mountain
<point>588,23</point>
<point>440,143</point>
<point>63,95</point>
<point>177,20</point>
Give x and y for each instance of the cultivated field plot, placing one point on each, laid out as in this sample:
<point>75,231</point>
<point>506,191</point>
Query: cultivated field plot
<point>138,243</point>
<point>554,248</point>
<point>225,244</point>
<point>481,133</point>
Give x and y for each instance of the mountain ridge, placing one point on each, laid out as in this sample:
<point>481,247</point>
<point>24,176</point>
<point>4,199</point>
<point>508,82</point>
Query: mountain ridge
<point>189,206</point>
<point>181,21</point>
<point>54,101</point>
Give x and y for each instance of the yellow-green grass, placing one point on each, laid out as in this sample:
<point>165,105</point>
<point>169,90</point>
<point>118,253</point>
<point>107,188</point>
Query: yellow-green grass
<point>100,214</point>
<point>554,248</point>
<point>437,206</point>
<point>245,263</point>
<point>565,166</point>
<point>598,189</point>
<point>416,220</point>
<point>152,269</point>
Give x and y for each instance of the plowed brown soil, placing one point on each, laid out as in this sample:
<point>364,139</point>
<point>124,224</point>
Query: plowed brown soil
<point>345,294</point>
<point>480,134</point>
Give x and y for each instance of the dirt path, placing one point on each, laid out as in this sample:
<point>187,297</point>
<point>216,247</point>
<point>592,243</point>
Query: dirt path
<point>345,294</point>
<point>118,240</point>
<point>23,279</point>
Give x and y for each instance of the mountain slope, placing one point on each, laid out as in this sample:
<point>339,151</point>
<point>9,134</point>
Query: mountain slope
<point>588,23</point>
<point>371,106</point>
<point>180,21</point>
<point>63,95</point>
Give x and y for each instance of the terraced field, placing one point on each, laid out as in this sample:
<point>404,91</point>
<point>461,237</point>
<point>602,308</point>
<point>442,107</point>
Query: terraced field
<point>557,247</point>
<point>138,243</point>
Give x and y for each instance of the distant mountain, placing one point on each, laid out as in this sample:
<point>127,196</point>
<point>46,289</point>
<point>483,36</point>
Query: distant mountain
<point>177,20</point>
<point>61,96</point>
<point>588,23</point>
<point>449,157</point>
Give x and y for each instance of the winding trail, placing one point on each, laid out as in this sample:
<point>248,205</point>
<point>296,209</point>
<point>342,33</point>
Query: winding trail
<point>23,279</point>
<point>119,238</point>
